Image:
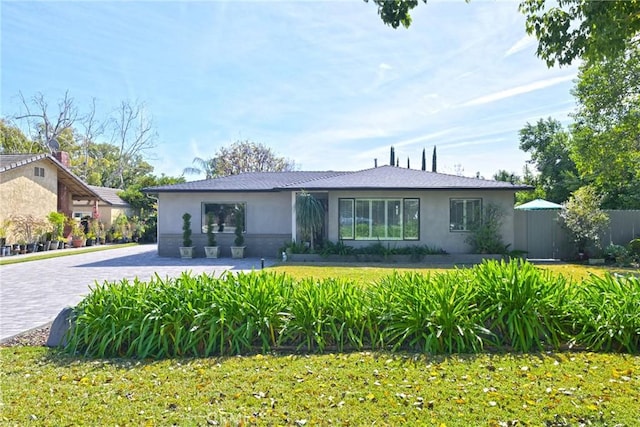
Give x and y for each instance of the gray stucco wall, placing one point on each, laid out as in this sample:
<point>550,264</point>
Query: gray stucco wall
<point>269,219</point>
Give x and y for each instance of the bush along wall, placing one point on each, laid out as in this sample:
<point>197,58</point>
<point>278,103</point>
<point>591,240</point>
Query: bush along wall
<point>496,306</point>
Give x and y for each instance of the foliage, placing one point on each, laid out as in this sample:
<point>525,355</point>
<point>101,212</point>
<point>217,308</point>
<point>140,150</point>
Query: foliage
<point>206,166</point>
<point>619,254</point>
<point>12,140</point>
<point>186,230</point>
<point>606,314</point>
<point>27,228</point>
<point>239,220</point>
<point>590,30</point>
<point>485,237</point>
<point>247,156</point>
<point>584,218</point>
<point>548,144</point>
<point>309,216</point>
<point>57,221</point>
<point>606,133</point>
<point>504,305</point>
<point>211,236</point>
<point>141,203</point>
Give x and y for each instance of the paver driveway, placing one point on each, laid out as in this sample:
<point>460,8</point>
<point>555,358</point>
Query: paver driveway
<point>33,293</point>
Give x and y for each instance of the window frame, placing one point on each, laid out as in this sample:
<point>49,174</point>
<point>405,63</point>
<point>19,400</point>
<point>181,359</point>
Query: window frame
<point>38,171</point>
<point>466,224</point>
<point>227,229</point>
<point>402,204</point>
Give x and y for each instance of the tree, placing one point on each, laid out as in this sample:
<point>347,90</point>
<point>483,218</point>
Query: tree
<point>565,29</point>
<point>133,133</point>
<point>434,160</point>
<point>392,156</point>
<point>591,30</point>
<point>12,140</point>
<point>548,144</point>
<point>606,133</point>
<point>206,166</point>
<point>424,159</point>
<point>43,128</point>
<point>584,218</point>
<point>247,156</point>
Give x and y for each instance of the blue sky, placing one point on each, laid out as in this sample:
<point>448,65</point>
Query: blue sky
<point>324,83</point>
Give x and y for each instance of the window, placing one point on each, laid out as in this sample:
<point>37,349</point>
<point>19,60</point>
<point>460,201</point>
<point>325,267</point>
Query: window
<point>464,214</point>
<point>373,219</point>
<point>225,216</point>
<point>38,172</point>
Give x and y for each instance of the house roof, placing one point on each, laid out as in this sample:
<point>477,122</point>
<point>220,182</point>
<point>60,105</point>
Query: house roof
<point>381,178</point>
<point>77,187</point>
<point>109,195</point>
<point>538,204</point>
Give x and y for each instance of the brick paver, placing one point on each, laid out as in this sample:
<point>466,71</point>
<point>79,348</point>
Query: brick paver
<point>34,292</point>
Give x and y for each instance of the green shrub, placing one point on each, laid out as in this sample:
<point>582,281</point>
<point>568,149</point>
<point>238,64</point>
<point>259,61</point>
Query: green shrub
<point>525,308</point>
<point>606,313</point>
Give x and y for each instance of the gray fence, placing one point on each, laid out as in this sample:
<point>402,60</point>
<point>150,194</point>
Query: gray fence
<point>541,234</point>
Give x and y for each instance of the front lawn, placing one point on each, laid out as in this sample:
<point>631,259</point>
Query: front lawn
<point>40,387</point>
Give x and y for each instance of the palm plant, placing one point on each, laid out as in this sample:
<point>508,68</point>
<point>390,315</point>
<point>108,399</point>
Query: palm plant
<point>206,166</point>
<point>309,215</point>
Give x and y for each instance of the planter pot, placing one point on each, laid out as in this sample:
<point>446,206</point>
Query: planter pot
<point>77,243</point>
<point>212,251</point>
<point>32,247</point>
<point>91,242</point>
<point>237,251</point>
<point>186,251</point>
<point>53,245</point>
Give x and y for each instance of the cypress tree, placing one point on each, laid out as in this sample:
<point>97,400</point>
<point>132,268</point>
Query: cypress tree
<point>408,164</point>
<point>424,160</point>
<point>434,161</point>
<point>392,156</point>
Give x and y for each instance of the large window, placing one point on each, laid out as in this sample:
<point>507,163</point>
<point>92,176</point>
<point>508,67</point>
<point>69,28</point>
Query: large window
<point>464,214</point>
<point>225,216</point>
<point>384,219</point>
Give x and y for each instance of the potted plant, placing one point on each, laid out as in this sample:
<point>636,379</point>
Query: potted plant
<point>78,237</point>
<point>57,220</point>
<point>237,251</point>
<point>211,250</point>
<point>4,228</point>
<point>186,250</point>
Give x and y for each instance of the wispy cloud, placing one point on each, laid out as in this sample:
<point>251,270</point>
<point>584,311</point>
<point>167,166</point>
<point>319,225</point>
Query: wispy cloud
<point>524,43</point>
<point>519,90</point>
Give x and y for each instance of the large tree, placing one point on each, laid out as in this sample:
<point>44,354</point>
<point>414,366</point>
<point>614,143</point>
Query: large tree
<point>548,144</point>
<point>247,156</point>
<point>565,29</point>
<point>606,133</point>
<point>12,140</point>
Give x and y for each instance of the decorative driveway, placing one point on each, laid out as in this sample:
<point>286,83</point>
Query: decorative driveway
<point>33,293</point>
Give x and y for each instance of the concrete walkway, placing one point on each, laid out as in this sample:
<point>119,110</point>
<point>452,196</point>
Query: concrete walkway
<point>33,293</point>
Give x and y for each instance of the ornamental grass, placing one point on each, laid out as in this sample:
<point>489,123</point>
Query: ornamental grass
<point>497,305</point>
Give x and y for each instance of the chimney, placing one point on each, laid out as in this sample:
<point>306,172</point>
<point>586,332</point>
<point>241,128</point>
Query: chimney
<point>62,157</point>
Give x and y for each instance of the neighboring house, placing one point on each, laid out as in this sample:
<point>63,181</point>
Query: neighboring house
<point>391,205</point>
<point>110,205</point>
<point>36,184</point>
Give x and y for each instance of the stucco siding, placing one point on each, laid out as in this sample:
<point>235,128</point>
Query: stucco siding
<point>267,217</point>
<point>434,216</point>
<point>23,193</point>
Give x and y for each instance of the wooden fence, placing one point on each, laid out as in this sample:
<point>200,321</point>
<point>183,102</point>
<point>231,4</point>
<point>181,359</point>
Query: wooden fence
<point>542,235</point>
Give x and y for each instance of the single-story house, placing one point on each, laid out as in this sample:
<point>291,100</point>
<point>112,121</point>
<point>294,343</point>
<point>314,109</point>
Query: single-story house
<point>110,205</point>
<point>387,204</point>
<point>37,184</point>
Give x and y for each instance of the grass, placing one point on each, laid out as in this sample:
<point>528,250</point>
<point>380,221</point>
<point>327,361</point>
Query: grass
<point>60,253</point>
<point>42,387</point>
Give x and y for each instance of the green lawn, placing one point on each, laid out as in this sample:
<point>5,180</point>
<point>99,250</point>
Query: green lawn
<point>44,388</point>
<point>16,259</point>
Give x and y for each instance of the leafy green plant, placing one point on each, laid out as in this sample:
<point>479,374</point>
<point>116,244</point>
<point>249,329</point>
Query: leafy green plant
<point>524,308</point>
<point>584,218</point>
<point>309,216</point>
<point>606,314</point>
<point>239,240</point>
<point>211,236</point>
<point>57,221</point>
<point>186,230</point>
<point>485,236</point>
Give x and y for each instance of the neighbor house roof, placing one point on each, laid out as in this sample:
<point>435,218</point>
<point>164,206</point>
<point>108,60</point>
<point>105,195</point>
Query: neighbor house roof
<point>76,186</point>
<point>384,177</point>
<point>109,195</point>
